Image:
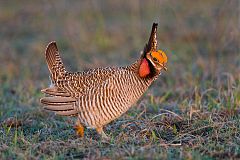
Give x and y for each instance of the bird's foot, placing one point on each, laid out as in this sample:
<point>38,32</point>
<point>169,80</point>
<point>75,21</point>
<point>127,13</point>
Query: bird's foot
<point>104,137</point>
<point>79,129</point>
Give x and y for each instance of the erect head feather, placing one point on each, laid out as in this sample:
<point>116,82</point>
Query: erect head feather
<point>152,42</point>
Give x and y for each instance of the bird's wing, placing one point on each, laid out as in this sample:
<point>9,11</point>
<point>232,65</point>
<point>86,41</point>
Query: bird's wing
<point>71,84</point>
<point>77,84</point>
<point>64,100</point>
<point>67,87</point>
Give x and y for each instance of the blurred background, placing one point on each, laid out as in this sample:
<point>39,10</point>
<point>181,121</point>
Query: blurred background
<point>201,39</point>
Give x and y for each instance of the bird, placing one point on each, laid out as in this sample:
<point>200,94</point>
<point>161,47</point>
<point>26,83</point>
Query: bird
<point>100,95</point>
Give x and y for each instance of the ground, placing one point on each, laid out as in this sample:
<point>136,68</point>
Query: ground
<point>191,112</point>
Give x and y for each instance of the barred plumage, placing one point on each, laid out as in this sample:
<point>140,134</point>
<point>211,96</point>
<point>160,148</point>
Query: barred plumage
<point>101,95</point>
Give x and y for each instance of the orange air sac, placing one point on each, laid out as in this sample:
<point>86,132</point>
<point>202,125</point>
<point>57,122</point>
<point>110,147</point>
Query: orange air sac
<point>144,69</point>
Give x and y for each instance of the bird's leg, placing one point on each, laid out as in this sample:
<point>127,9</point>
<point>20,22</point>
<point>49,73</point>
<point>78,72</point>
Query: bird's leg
<point>79,129</point>
<point>101,132</point>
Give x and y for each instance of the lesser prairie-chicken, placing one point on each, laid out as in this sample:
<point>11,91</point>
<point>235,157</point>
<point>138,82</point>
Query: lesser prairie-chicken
<point>99,96</point>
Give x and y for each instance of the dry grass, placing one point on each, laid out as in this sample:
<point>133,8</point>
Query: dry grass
<point>190,112</point>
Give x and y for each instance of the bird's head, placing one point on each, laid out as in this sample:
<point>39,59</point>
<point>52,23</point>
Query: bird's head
<point>153,60</point>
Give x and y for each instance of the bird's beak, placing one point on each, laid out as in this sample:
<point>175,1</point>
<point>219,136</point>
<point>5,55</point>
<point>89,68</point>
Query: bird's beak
<point>164,67</point>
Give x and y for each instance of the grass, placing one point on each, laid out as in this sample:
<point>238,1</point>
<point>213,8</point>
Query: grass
<point>191,112</point>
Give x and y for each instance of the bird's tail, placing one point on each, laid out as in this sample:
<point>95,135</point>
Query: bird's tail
<point>54,62</point>
<point>58,100</point>
<point>65,106</point>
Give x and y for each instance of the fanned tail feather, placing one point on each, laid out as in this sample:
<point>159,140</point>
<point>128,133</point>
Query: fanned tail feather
<point>60,105</point>
<point>55,91</point>
<point>54,62</point>
<point>59,101</point>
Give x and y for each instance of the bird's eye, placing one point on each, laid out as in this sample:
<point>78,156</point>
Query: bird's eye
<point>155,59</point>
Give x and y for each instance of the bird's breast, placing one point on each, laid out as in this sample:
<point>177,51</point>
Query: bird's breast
<point>111,99</point>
